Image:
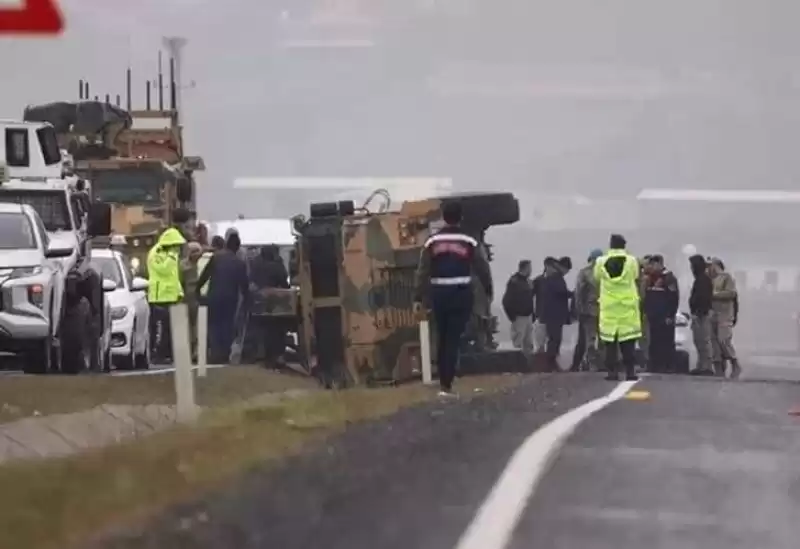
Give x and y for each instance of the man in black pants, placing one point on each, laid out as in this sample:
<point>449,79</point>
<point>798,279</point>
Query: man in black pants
<point>661,300</point>
<point>554,310</point>
<point>447,264</point>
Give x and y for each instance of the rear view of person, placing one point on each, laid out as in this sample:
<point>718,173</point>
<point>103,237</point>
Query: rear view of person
<point>554,310</point>
<point>586,306</point>
<point>724,310</point>
<point>700,308</point>
<point>447,264</point>
<point>620,321</point>
<point>518,306</point>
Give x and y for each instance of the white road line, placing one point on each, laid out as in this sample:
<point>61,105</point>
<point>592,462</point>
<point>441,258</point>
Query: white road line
<point>493,526</point>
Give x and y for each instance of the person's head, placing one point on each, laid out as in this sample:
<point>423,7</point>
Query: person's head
<point>194,250</point>
<point>655,263</point>
<point>564,264</point>
<point>524,268</point>
<point>594,254</point>
<point>269,252</point>
<point>617,242</point>
<point>233,242</point>
<point>715,266</point>
<point>218,243</point>
<point>550,264</point>
<point>451,212</point>
<point>697,263</point>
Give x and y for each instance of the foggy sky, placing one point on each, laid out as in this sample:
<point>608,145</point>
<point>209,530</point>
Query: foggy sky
<point>601,97</point>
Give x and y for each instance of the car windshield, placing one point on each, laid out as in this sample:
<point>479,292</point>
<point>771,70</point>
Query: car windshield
<point>130,187</point>
<point>51,206</point>
<point>16,232</point>
<point>109,268</point>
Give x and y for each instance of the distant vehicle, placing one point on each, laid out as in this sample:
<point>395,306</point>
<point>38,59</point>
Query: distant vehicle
<point>36,320</point>
<point>130,313</point>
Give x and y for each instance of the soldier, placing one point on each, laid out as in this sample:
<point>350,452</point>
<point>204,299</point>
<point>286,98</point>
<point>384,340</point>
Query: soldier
<point>447,264</point>
<point>518,306</point>
<point>661,302</point>
<point>700,308</point>
<point>619,312</point>
<point>189,276</point>
<point>724,305</point>
<point>268,271</point>
<point>586,311</point>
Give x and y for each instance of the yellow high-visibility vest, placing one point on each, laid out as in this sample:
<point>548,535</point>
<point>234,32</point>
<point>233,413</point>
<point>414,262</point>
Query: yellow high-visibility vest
<point>201,265</point>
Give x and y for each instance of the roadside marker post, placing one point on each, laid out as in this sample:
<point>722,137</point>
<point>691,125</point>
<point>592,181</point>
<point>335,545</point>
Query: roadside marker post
<point>202,341</point>
<point>187,410</point>
<point>425,351</point>
<point>33,17</point>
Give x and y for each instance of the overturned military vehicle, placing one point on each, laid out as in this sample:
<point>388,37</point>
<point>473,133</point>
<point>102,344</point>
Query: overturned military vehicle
<point>355,275</point>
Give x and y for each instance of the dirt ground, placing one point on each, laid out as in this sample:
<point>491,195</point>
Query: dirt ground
<point>23,396</point>
<point>63,502</point>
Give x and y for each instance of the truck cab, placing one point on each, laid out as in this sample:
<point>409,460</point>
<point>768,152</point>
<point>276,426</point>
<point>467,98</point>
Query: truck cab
<point>30,150</point>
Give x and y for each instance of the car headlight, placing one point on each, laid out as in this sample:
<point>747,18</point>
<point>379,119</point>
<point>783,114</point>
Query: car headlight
<point>36,295</point>
<point>20,272</point>
<point>118,313</point>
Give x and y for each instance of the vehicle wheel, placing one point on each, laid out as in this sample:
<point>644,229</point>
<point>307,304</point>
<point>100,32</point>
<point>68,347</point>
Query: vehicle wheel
<point>142,360</point>
<point>38,359</point>
<point>128,362</point>
<point>76,338</point>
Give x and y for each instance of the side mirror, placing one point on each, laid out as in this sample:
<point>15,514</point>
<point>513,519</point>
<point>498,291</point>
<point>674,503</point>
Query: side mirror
<point>59,253</point>
<point>109,285</point>
<point>99,219</point>
<point>139,284</point>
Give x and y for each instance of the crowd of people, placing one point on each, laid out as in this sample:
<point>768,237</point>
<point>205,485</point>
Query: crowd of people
<point>183,269</point>
<point>623,304</point>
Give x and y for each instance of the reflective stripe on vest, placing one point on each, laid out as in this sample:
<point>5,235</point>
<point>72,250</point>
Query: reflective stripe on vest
<point>201,265</point>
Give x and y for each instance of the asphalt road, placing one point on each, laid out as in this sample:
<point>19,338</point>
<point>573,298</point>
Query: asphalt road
<point>703,463</point>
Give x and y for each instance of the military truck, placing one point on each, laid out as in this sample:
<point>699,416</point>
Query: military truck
<point>356,275</point>
<point>135,160</point>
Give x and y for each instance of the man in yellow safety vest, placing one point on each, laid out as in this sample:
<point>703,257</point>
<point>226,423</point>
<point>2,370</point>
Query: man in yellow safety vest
<point>620,320</point>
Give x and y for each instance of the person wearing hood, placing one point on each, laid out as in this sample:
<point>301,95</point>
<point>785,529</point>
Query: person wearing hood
<point>518,306</point>
<point>586,310</point>
<point>700,303</point>
<point>617,274</point>
<point>661,301</point>
<point>165,289</point>
<point>724,309</point>
<point>226,274</point>
<point>554,299</point>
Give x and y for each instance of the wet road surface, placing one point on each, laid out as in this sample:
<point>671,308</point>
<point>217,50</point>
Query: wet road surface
<point>703,463</point>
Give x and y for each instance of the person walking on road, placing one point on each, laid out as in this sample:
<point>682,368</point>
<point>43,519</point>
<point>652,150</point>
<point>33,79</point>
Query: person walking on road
<point>724,301</point>
<point>190,273</point>
<point>518,306</point>
<point>554,311</point>
<point>619,312</point>
<point>449,260</point>
<point>661,301</point>
<point>700,308</point>
<point>164,289</point>
<point>586,349</point>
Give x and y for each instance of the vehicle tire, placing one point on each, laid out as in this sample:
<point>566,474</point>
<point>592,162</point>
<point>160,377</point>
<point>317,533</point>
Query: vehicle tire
<point>128,362</point>
<point>78,345</point>
<point>38,359</point>
<point>487,209</point>
<point>141,361</point>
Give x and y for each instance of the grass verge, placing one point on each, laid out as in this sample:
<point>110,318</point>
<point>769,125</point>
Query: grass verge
<point>57,503</point>
<point>23,396</point>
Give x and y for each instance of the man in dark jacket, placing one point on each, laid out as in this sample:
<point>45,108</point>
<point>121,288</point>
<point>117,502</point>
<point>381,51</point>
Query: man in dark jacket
<point>268,271</point>
<point>539,329</point>
<point>661,300</point>
<point>449,260</point>
<point>553,301</point>
<point>518,306</point>
<point>226,274</point>
<point>700,301</point>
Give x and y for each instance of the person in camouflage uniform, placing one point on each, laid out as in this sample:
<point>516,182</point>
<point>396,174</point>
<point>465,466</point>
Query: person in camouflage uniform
<point>586,309</point>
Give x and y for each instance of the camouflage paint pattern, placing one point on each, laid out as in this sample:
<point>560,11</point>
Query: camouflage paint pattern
<point>377,257</point>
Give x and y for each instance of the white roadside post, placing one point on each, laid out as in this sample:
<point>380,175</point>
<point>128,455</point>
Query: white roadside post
<point>425,351</point>
<point>187,410</point>
<point>202,341</point>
